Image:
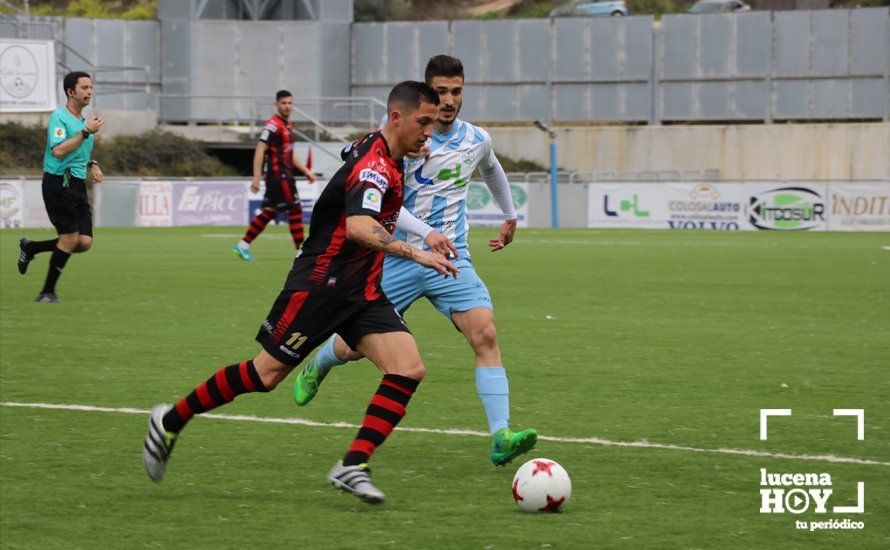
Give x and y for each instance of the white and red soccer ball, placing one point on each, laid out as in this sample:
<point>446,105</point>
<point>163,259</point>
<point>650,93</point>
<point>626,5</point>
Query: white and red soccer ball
<point>541,485</point>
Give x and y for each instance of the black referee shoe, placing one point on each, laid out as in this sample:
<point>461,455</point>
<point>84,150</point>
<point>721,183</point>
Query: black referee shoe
<point>48,297</point>
<point>24,257</point>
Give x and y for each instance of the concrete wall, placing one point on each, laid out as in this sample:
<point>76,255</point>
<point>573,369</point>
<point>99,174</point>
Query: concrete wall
<point>739,152</point>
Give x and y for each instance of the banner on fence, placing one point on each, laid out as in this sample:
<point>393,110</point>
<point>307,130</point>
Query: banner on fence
<point>27,76</point>
<point>483,209</point>
<point>859,207</point>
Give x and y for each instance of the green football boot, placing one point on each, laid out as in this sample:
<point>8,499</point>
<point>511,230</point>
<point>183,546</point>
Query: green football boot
<point>307,382</point>
<point>507,445</point>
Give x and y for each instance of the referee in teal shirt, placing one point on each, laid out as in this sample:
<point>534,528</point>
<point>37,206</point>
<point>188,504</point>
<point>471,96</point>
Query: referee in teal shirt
<point>69,142</point>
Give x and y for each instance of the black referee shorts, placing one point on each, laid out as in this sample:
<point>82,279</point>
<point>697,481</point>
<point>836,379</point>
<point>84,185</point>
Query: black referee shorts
<point>302,320</point>
<point>67,205</point>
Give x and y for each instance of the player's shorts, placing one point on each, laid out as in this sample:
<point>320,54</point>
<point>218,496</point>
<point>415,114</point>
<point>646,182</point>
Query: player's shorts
<point>281,194</point>
<point>302,320</point>
<point>404,281</point>
<point>67,204</point>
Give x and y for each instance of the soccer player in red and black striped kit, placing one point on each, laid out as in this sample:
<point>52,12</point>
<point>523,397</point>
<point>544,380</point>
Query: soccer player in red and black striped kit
<point>275,151</point>
<point>334,286</point>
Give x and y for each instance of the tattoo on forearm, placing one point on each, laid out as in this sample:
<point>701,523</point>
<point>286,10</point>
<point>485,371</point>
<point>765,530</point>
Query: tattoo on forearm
<point>384,239</point>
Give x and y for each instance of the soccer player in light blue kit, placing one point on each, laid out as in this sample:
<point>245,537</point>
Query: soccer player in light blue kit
<point>436,194</point>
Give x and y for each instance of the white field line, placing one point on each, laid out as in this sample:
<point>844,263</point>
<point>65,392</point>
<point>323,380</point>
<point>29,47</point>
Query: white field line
<point>587,440</point>
<point>238,236</point>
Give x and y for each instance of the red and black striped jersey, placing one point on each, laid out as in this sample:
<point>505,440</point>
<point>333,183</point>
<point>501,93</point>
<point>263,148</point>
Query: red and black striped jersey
<point>279,137</point>
<point>368,184</point>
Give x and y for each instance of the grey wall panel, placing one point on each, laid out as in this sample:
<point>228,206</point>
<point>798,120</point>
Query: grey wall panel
<point>792,99</point>
<point>533,56</point>
<point>500,102</point>
<point>109,46</point>
<point>791,36</point>
<point>751,100</point>
<point>500,60</point>
<point>605,101</point>
<point>78,35</point>
<point>216,69</point>
<point>830,42</point>
<point>434,40</point>
<point>867,98</point>
<point>532,102</point>
<point>714,101</point>
<point>368,61</point>
<point>401,51</point>
<point>716,45</point>
<point>606,51</point>
<point>869,41</point>
<point>679,36</point>
<point>753,44</point>
<point>144,48</point>
<point>637,102</point>
<point>677,101</point>
<point>336,60</point>
<point>573,48</point>
<point>473,107</point>
<point>572,102</point>
<point>637,54</point>
<point>467,40</point>
<point>830,98</point>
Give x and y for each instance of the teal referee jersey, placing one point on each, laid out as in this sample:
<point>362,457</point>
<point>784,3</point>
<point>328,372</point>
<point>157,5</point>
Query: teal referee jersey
<point>62,126</point>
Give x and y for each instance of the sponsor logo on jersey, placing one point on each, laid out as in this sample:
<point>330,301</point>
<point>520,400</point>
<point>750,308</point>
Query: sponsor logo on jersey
<point>376,178</point>
<point>372,199</point>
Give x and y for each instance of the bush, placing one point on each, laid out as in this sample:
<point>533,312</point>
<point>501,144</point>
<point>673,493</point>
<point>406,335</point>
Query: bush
<point>153,153</point>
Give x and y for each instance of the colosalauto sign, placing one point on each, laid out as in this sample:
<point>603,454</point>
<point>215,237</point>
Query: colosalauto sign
<point>792,208</point>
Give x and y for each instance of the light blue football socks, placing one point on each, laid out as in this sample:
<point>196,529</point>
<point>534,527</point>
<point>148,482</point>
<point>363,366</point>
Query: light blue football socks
<point>494,391</point>
<point>325,359</point>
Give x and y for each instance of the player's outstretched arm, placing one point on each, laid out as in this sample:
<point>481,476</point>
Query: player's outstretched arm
<point>368,232</point>
<point>301,168</point>
<point>496,180</point>
<point>436,241</point>
<point>258,155</point>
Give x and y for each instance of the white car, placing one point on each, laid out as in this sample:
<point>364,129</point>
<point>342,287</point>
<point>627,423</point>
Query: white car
<point>719,6</point>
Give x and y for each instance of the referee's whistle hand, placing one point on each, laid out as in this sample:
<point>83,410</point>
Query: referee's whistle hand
<point>95,124</point>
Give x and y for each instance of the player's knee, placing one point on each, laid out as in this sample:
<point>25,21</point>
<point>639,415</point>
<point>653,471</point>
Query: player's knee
<point>84,243</point>
<point>68,242</point>
<point>414,370</point>
<point>486,337</point>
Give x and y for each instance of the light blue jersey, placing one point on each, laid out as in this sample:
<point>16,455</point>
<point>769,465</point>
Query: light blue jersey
<point>435,191</point>
<point>436,187</point>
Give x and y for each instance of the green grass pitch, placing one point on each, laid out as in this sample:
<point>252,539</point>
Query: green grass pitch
<point>662,337</point>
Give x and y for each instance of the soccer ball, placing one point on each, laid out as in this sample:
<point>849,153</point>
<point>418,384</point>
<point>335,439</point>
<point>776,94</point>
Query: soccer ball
<point>541,485</point>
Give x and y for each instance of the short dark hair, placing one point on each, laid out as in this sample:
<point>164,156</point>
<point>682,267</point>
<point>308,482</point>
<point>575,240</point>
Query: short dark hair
<point>70,80</point>
<point>411,94</point>
<point>282,94</point>
<point>443,65</point>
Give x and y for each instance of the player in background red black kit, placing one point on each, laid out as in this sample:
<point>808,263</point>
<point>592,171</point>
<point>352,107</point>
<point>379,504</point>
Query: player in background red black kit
<point>275,151</point>
<point>334,286</point>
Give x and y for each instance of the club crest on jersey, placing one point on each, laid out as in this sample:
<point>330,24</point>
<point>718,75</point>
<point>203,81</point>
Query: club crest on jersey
<point>372,199</point>
<point>59,132</point>
<point>374,177</point>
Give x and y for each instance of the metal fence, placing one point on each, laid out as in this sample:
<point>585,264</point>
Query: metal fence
<point>755,66</point>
